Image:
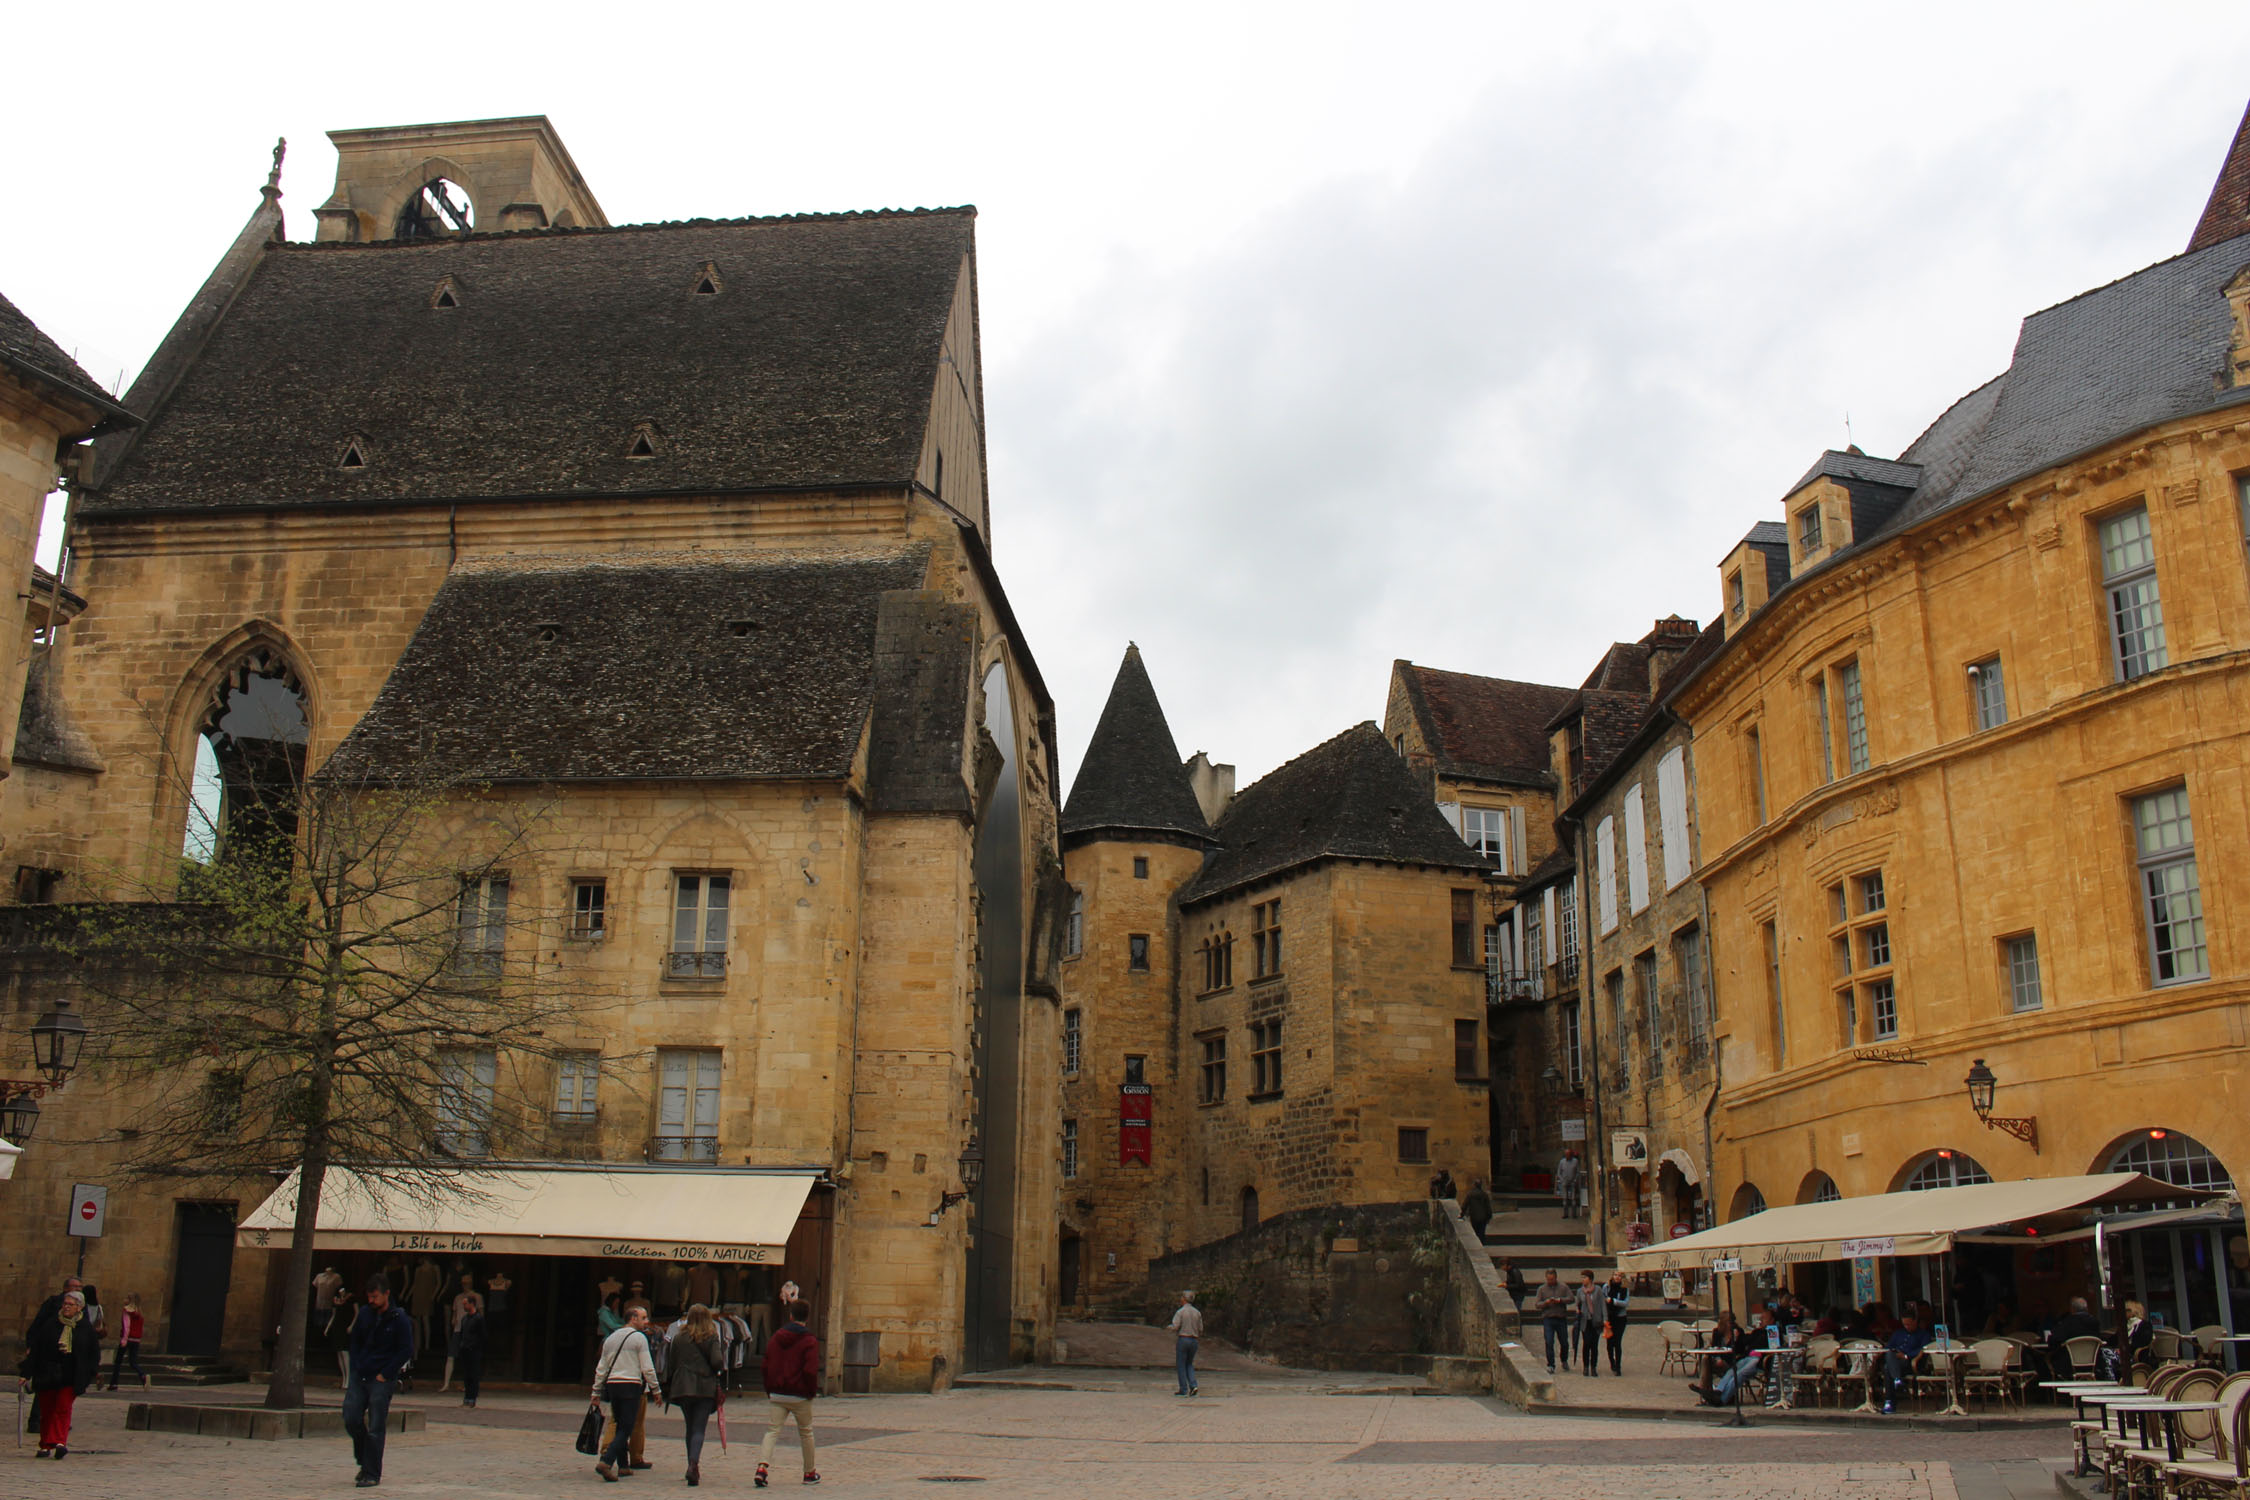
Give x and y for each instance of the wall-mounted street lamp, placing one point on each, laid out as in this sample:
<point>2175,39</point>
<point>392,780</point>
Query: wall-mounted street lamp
<point>56,1040</point>
<point>972,1171</point>
<point>1982,1082</point>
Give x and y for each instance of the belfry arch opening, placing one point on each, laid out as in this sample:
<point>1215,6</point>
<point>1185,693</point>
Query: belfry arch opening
<point>437,209</point>
<point>249,761</point>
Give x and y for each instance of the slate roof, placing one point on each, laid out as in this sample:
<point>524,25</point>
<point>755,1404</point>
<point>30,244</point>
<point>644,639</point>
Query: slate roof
<point>1622,669</point>
<point>35,357</point>
<point>1350,798</point>
<point>752,668</point>
<point>1834,465</point>
<point>813,366</point>
<point>1131,778</point>
<point>1485,728</point>
<point>1768,534</point>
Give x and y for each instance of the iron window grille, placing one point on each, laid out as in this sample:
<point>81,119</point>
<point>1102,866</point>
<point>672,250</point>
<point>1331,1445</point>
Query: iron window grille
<point>699,926</point>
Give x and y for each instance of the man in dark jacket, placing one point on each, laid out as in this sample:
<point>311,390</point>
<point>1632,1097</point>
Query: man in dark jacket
<point>382,1348</point>
<point>1477,1207</point>
<point>468,1353</point>
<point>792,1379</point>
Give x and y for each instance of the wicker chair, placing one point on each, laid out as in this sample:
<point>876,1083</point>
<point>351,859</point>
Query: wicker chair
<point>2082,1351</point>
<point>1938,1376</point>
<point>1677,1342</point>
<point>2136,1467</point>
<point>2221,1473</point>
<point>1817,1369</point>
<point>2207,1345</point>
<point>1998,1371</point>
<point>2164,1345</point>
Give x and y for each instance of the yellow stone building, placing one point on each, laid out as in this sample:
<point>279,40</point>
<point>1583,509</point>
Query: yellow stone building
<point>1970,786</point>
<point>682,531</point>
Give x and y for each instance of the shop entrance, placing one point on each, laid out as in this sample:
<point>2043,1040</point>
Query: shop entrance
<point>202,1269</point>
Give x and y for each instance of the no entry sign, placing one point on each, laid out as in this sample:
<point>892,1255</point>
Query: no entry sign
<point>89,1205</point>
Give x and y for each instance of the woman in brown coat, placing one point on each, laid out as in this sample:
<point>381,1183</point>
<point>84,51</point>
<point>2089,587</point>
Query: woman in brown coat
<point>698,1370</point>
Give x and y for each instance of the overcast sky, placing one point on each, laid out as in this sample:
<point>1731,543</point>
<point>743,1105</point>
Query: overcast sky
<point>1315,336</point>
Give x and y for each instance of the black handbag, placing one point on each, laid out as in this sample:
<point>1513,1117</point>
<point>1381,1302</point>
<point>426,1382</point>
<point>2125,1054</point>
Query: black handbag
<point>590,1430</point>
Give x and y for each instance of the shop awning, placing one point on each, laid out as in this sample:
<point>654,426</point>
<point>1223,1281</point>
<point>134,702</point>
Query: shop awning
<point>743,1216</point>
<point>1896,1223</point>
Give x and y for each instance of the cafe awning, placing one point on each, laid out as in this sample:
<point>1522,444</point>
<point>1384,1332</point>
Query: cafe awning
<point>1923,1223</point>
<point>739,1215</point>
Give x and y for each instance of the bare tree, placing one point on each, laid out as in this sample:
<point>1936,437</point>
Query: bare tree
<point>351,979</point>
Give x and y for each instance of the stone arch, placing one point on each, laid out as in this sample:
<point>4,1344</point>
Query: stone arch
<point>1818,1187</point>
<point>2168,1155</point>
<point>1747,1200</point>
<point>239,742</point>
<point>410,182</point>
<point>1942,1168</point>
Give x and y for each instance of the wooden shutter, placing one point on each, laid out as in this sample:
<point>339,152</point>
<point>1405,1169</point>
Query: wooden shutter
<point>1671,809</point>
<point>1605,873</point>
<point>1636,851</point>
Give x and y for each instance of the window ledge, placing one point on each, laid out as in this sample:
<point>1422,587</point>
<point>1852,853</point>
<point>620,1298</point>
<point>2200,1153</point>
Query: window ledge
<point>1266,1097</point>
<point>1472,1083</point>
<point>1209,1103</point>
<point>1224,989</point>
<point>1265,979</point>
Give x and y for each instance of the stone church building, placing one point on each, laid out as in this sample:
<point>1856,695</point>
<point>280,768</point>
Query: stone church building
<point>683,528</point>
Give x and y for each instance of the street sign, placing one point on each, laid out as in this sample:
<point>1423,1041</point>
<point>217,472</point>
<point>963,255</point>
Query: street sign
<point>1727,1263</point>
<point>89,1205</point>
<point>1574,1130</point>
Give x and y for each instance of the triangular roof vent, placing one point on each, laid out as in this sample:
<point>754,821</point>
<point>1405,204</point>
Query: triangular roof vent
<point>447,294</point>
<point>354,454</point>
<point>644,443</point>
<point>707,282</point>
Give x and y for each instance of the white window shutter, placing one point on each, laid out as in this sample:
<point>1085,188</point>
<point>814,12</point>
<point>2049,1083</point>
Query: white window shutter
<point>1452,812</point>
<point>1636,851</point>
<point>1671,807</point>
<point>1549,925</point>
<point>1523,959</point>
<point>1515,825</point>
<point>1605,872</point>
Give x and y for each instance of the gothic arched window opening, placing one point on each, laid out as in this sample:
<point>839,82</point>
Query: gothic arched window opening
<point>249,760</point>
<point>437,209</point>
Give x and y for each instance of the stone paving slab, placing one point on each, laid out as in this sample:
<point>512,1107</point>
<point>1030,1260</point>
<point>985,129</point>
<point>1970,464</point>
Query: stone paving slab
<point>1044,1445</point>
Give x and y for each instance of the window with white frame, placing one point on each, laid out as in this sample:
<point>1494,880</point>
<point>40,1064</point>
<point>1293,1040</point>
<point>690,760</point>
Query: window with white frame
<point>1855,717</point>
<point>1486,831</point>
<point>2136,613</point>
<point>1074,926</point>
<point>699,926</point>
<point>466,1079</point>
<point>1808,530</point>
<point>1988,696</point>
<point>578,1077</point>
<point>589,908</point>
<point>2172,895</point>
<point>1074,1039</point>
<point>1944,1169</point>
<point>2169,1156</point>
<point>1827,731</point>
<point>1574,1062</point>
<point>480,924</point>
<point>2024,992</point>
<point>1070,1149</point>
<point>1636,851</point>
<point>1652,1009</point>
<point>1861,939</point>
<point>1882,1008</point>
<point>1695,983</point>
<point>1566,931</point>
<point>687,1104</point>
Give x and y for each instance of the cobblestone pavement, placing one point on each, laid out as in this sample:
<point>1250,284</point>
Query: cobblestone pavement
<point>1038,1444</point>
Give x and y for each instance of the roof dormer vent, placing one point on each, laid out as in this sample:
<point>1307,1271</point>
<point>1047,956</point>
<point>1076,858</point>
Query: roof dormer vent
<point>447,293</point>
<point>707,282</point>
<point>644,441</point>
<point>353,454</point>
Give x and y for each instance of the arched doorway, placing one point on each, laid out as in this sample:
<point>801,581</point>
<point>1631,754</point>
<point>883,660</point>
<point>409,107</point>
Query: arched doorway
<point>2184,1270</point>
<point>1250,1219</point>
<point>249,760</point>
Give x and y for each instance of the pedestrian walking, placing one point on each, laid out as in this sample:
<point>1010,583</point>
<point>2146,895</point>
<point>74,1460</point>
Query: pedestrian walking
<point>698,1374</point>
<point>1555,1310</point>
<point>1477,1208</point>
<point>792,1379</point>
<point>625,1377</point>
<point>382,1350</point>
<point>1567,1176</point>
<point>338,1334</point>
<point>1187,1339</point>
<point>468,1354</point>
<point>465,1300</point>
<point>130,1325</point>
<point>1593,1310</point>
<point>1617,1298</point>
<point>62,1357</point>
<point>1511,1277</point>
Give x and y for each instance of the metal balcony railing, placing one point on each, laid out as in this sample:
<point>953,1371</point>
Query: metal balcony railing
<point>683,1148</point>
<point>1501,988</point>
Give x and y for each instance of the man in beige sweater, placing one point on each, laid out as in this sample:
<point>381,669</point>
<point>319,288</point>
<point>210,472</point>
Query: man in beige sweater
<point>1187,1326</point>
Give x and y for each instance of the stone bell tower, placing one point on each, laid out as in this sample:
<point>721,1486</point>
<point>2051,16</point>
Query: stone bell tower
<point>432,181</point>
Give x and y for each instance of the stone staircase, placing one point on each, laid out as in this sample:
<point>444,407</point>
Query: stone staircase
<point>1529,1228</point>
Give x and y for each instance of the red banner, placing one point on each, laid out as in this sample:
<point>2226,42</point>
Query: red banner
<point>1136,1108</point>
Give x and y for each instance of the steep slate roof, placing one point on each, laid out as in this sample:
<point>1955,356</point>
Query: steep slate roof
<point>1486,728</point>
<point>754,668</point>
<point>1350,798</point>
<point>812,366</point>
<point>1131,778</point>
<point>1622,669</point>
<point>33,356</point>
<point>1834,465</point>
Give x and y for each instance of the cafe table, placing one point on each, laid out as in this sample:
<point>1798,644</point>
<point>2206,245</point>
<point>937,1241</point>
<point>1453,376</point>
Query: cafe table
<point>2090,1393</point>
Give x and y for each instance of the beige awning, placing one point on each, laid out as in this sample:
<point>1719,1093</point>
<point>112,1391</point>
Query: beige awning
<point>644,1213</point>
<point>1896,1223</point>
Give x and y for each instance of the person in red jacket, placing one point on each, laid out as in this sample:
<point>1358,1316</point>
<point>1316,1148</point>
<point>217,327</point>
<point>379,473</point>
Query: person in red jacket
<point>792,1379</point>
<point>130,1324</point>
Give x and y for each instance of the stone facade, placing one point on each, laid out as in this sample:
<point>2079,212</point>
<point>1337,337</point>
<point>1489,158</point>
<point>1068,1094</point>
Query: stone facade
<point>864,1025</point>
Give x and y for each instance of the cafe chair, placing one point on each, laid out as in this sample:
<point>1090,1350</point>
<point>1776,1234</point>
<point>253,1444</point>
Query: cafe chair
<point>2220,1473</point>
<point>1817,1370</point>
<point>2083,1350</point>
<point>1677,1341</point>
<point>1997,1371</point>
<point>2139,1465</point>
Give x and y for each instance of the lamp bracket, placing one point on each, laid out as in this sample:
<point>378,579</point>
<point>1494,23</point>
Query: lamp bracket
<point>37,1088</point>
<point>2024,1129</point>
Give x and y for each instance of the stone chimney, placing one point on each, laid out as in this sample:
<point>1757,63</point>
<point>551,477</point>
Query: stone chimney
<point>1213,784</point>
<point>1667,643</point>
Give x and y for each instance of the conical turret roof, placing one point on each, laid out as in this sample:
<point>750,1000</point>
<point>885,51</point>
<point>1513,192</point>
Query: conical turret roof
<point>1131,780</point>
